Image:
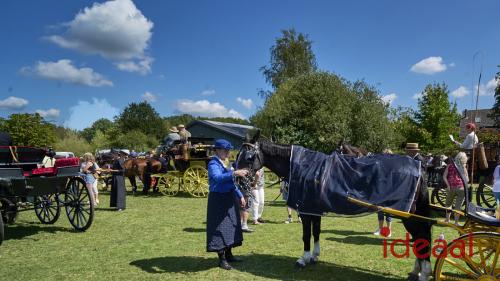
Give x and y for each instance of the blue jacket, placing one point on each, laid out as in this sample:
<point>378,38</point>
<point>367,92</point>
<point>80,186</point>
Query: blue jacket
<point>220,179</point>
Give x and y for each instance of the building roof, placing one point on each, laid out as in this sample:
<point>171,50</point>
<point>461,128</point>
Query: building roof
<point>236,130</point>
<point>482,120</point>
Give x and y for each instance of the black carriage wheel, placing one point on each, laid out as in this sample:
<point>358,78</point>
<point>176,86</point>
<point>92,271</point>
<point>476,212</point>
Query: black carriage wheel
<point>47,208</point>
<point>1,229</point>
<point>79,204</point>
<point>439,196</point>
<point>9,211</point>
<point>484,196</point>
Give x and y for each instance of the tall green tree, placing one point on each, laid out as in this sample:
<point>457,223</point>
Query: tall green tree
<point>496,106</point>
<point>319,109</point>
<point>437,116</point>
<point>103,125</point>
<point>291,56</point>
<point>29,130</point>
<point>140,117</point>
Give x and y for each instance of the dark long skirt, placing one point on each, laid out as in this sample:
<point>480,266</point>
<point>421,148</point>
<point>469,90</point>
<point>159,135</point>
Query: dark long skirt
<point>118,192</point>
<point>223,222</point>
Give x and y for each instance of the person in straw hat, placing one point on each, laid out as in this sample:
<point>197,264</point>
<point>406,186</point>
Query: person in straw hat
<point>171,137</point>
<point>183,133</point>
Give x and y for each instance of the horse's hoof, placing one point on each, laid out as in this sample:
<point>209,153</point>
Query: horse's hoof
<point>299,265</point>
<point>412,277</point>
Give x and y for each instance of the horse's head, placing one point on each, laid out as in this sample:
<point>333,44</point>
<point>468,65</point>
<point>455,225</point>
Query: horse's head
<point>250,156</point>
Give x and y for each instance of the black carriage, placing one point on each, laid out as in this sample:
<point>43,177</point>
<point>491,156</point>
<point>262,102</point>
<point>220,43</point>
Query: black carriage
<point>26,185</point>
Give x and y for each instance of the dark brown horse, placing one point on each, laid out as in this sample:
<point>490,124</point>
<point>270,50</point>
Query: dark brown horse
<point>143,168</point>
<point>260,152</point>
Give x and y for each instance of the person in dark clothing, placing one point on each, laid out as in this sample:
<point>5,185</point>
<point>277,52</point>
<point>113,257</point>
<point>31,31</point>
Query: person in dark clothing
<point>223,217</point>
<point>118,191</point>
<point>5,139</point>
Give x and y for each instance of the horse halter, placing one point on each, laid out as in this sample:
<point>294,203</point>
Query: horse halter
<point>245,183</point>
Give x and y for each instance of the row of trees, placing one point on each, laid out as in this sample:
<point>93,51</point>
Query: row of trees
<point>139,126</point>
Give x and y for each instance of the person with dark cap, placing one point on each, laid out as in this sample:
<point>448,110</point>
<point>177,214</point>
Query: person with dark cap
<point>118,191</point>
<point>5,139</point>
<point>223,218</point>
<point>471,139</point>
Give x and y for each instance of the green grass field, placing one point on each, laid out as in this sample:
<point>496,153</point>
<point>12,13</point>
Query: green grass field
<point>163,238</point>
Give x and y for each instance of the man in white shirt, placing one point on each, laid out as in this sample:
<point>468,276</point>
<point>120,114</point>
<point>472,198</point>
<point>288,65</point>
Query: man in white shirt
<point>471,139</point>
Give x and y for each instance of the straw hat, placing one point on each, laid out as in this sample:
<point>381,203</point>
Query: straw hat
<point>180,126</point>
<point>174,130</point>
<point>412,146</point>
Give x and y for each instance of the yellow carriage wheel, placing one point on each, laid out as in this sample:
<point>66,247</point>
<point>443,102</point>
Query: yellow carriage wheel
<point>480,260</point>
<point>169,183</point>
<point>196,181</point>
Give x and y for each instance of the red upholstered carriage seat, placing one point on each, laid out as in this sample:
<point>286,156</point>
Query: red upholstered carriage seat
<point>52,171</point>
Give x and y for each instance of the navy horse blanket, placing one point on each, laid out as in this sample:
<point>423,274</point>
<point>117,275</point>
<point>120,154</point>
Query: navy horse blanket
<point>320,183</point>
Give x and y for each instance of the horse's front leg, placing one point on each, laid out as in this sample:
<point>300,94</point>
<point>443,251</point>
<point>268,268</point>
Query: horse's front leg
<point>306,238</point>
<point>133,183</point>
<point>316,229</point>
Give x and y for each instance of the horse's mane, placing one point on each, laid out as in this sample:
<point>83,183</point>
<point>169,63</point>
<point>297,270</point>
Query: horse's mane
<point>274,149</point>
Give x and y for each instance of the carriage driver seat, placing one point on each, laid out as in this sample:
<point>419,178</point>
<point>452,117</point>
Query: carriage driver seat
<point>482,215</point>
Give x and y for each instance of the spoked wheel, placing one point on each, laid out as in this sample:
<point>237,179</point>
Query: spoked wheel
<point>9,211</point>
<point>79,204</point>
<point>484,196</point>
<point>474,256</point>
<point>47,208</point>
<point>196,181</point>
<point>169,184</point>
<point>439,196</point>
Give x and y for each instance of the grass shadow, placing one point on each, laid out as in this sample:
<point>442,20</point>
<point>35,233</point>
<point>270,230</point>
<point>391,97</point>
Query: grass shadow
<point>258,265</point>
<point>175,264</point>
<point>357,240</point>
<point>22,230</point>
<point>192,229</point>
<point>344,232</point>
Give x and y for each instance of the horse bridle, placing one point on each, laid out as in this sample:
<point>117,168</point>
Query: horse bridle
<point>245,183</point>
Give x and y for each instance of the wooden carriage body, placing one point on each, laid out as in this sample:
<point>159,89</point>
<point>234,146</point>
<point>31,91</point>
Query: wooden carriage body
<point>188,167</point>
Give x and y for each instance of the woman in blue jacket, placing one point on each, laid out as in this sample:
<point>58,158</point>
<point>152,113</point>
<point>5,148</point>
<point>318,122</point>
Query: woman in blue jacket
<point>223,218</point>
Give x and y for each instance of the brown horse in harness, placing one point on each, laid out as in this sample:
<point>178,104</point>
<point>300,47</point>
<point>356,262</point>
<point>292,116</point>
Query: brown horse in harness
<point>141,167</point>
<point>259,152</point>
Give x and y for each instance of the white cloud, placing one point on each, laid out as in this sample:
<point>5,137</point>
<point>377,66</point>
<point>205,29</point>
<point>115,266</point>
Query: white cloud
<point>207,92</point>
<point>429,66</point>
<point>460,92</point>
<point>49,113</point>
<point>64,71</point>
<point>417,96</point>
<point>13,103</point>
<point>247,103</point>
<point>83,114</point>
<point>115,29</point>
<point>142,66</point>
<point>206,109</point>
<point>451,64</point>
<point>149,97</point>
<point>488,89</point>
<point>389,98</point>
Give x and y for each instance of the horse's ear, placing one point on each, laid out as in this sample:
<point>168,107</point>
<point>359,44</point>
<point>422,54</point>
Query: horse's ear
<point>256,136</point>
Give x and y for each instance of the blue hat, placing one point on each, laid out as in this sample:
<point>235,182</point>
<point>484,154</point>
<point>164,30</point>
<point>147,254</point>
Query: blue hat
<point>222,143</point>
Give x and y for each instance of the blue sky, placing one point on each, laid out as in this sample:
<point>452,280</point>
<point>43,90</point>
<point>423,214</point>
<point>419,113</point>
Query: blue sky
<point>77,61</point>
